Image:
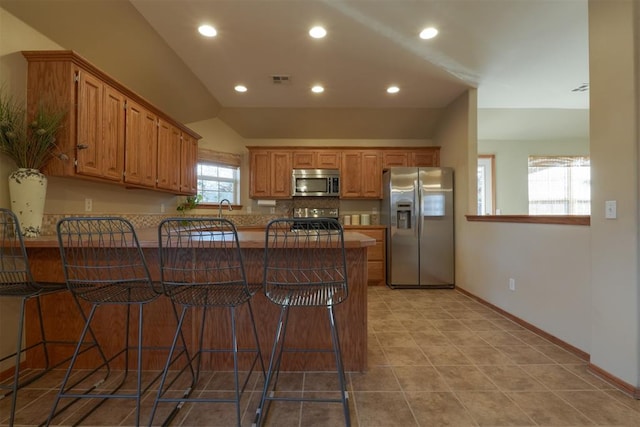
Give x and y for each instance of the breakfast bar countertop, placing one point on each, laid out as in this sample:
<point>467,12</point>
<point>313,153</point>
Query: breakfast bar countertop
<point>249,239</point>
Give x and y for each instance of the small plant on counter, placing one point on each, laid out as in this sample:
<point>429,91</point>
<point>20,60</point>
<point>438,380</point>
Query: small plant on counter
<point>191,202</point>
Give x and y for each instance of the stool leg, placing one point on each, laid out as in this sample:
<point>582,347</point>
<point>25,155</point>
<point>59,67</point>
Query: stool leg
<point>339,366</point>
<point>273,363</point>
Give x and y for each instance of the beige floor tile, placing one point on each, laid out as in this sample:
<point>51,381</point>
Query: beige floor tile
<point>420,378</point>
<point>321,381</point>
<point>435,409</point>
<point>449,325</point>
<point>556,377</point>
<point>512,378</point>
<point>383,409</point>
<point>559,355</point>
<point>401,356</point>
<point>395,339</point>
<point>602,408</point>
<point>445,355</point>
<point>429,338</point>
<point>465,378</point>
<point>321,414</point>
<point>478,324</point>
<point>493,409</point>
<point>524,354</point>
<point>464,338</point>
<point>548,409</point>
<point>485,355</point>
<point>499,337</point>
<point>375,379</point>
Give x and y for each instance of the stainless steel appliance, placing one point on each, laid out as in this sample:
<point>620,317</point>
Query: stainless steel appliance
<point>318,213</point>
<point>417,208</point>
<point>315,182</point>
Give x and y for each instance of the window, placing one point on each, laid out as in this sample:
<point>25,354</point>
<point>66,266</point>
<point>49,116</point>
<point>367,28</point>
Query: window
<point>218,177</point>
<point>217,182</point>
<point>486,185</point>
<point>559,185</point>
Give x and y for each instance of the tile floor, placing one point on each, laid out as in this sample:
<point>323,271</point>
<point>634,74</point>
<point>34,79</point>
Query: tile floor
<point>436,358</point>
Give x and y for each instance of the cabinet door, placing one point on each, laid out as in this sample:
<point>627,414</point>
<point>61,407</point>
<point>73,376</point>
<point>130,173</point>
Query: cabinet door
<point>280,174</point>
<point>259,174</point>
<point>427,158</point>
<point>168,153</point>
<point>304,160</point>
<point>351,174</point>
<point>392,159</point>
<point>113,135</point>
<point>328,160</point>
<point>141,144</point>
<point>100,149</point>
<point>371,175</point>
<point>188,165</point>
<point>90,93</point>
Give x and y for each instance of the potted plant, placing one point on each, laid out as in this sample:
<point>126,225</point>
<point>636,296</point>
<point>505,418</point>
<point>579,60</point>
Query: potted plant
<point>190,202</point>
<point>30,141</point>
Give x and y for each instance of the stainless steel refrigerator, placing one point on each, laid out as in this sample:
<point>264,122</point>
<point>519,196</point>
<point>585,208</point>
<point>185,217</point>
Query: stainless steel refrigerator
<point>417,208</point>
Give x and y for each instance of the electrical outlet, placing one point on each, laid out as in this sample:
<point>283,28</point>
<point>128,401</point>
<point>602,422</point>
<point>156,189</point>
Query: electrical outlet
<point>512,284</point>
<point>88,205</point>
<point>162,209</point>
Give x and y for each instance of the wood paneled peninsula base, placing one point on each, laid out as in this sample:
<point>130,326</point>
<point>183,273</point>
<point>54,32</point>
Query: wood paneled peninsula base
<point>63,321</point>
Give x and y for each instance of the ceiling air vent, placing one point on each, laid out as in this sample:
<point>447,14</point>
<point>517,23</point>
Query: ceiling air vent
<point>584,87</point>
<point>281,79</point>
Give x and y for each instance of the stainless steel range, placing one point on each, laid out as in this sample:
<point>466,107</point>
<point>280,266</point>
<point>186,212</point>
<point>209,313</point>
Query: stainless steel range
<point>313,213</point>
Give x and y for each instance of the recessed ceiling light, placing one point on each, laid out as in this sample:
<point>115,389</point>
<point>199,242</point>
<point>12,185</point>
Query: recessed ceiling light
<point>317,32</point>
<point>428,33</point>
<point>207,30</point>
<point>393,89</point>
<point>317,89</point>
<point>240,88</point>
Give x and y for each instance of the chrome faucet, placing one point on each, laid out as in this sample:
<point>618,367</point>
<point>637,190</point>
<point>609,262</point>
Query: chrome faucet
<point>220,206</point>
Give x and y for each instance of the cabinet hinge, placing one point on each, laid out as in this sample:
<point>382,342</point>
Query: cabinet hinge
<point>76,77</point>
<point>75,162</point>
<point>125,105</point>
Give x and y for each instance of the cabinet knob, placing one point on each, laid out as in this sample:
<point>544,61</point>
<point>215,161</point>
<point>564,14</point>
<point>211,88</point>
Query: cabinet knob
<point>82,146</point>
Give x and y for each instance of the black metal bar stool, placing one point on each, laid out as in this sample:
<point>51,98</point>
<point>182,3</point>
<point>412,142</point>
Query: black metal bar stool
<point>16,281</point>
<point>304,267</point>
<point>104,265</point>
<point>202,268</point>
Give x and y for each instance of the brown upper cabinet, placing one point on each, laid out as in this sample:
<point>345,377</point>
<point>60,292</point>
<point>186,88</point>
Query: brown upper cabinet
<point>110,133</point>
<point>361,175</point>
<point>316,159</point>
<point>360,169</point>
<point>270,174</point>
<point>424,157</point>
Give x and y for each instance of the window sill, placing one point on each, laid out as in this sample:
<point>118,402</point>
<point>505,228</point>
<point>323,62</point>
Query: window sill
<point>532,219</point>
<point>215,206</point>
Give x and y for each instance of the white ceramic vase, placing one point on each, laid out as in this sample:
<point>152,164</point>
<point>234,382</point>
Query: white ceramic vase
<point>27,190</point>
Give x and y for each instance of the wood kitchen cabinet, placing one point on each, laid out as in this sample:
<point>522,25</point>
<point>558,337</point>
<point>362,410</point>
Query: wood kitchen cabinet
<point>270,174</point>
<point>423,156</point>
<point>140,166</point>
<point>168,150</point>
<point>376,255</point>
<point>109,133</point>
<point>316,159</point>
<point>188,165</point>
<point>361,174</point>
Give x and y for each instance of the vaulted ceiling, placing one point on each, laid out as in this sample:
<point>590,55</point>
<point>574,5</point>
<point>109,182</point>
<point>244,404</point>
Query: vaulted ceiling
<point>524,57</point>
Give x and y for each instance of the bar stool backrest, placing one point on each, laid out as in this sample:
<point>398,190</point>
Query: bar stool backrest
<point>305,263</point>
<point>201,262</point>
<point>15,273</point>
<point>98,252</point>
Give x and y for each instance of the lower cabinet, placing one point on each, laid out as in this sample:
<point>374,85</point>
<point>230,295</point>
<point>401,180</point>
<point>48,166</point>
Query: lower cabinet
<point>376,260</point>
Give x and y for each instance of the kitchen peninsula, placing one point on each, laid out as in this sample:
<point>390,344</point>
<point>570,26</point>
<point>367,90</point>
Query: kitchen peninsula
<point>64,322</point>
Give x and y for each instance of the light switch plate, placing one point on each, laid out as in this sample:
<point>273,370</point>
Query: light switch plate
<point>610,209</point>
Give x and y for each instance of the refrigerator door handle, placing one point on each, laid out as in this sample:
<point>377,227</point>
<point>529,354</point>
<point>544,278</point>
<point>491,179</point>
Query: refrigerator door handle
<point>417,206</point>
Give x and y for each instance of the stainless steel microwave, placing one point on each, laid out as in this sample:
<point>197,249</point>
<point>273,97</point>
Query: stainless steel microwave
<point>315,182</point>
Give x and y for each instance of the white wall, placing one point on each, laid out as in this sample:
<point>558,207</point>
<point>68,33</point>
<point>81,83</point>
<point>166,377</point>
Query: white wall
<point>613,64</point>
<point>511,167</point>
